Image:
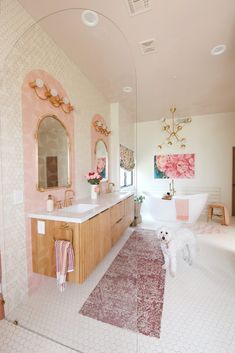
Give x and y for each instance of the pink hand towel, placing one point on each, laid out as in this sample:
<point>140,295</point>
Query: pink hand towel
<point>64,261</point>
<point>182,209</point>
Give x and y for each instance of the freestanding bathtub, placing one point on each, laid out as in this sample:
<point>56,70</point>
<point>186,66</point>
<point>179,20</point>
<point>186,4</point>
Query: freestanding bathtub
<point>166,212</point>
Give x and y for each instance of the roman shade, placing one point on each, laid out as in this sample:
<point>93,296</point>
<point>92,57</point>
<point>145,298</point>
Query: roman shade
<point>127,160</point>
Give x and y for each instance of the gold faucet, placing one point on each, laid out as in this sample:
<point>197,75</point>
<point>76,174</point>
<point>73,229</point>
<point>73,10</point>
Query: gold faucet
<point>68,199</point>
<point>172,188</point>
<point>58,204</point>
<point>110,187</point>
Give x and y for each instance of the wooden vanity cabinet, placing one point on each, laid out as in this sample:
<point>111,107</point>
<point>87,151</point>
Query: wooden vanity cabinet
<point>122,215</point>
<point>92,240</point>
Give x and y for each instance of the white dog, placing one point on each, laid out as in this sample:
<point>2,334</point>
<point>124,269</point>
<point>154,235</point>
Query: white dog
<point>172,241</point>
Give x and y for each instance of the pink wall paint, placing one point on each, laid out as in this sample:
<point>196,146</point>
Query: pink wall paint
<point>96,136</point>
<point>33,109</point>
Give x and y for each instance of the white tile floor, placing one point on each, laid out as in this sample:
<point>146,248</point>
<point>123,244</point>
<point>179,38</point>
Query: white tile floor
<point>198,314</point>
<point>18,340</point>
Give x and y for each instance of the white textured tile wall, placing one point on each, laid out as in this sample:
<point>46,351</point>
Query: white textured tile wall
<point>21,52</point>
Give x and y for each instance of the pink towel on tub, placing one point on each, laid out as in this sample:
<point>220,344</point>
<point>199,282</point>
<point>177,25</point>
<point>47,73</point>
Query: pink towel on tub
<point>64,261</point>
<point>182,209</point>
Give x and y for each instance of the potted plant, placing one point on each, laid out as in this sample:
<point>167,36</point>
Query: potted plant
<point>94,179</point>
<point>138,200</point>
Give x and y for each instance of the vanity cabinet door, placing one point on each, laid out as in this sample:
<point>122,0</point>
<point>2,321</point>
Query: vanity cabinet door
<point>105,236</point>
<point>100,234</point>
<point>117,212</point>
<point>43,247</point>
<point>122,215</point>
<point>95,242</point>
<point>118,229</point>
<point>43,256</point>
<point>129,210</point>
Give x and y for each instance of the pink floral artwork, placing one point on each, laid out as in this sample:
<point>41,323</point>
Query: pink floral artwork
<point>174,166</point>
<point>101,166</point>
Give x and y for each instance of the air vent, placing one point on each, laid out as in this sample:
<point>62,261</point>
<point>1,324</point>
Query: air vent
<point>138,6</point>
<point>148,46</point>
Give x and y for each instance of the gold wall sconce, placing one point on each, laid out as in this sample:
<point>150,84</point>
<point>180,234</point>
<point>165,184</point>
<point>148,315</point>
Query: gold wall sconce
<point>173,130</point>
<point>51,94</point>
<point>101,127</point>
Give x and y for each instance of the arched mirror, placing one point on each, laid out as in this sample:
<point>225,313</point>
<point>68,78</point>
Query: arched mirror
<point>101,159</point>
<point>52,154</point>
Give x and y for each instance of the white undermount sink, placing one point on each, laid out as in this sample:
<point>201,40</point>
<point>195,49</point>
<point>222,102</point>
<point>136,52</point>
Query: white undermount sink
<point>80,208</point>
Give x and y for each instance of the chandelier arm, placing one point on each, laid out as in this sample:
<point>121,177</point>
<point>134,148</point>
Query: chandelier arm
<point>179,127</point>
<point>171,135</point>
<point>178,124</point>
<point>177,138</point>
<point>168,130</point>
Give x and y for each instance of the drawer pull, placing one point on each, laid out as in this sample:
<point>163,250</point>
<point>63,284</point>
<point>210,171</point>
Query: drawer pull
<point>119,220</point>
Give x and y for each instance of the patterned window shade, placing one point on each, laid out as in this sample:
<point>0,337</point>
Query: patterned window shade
<point>127,160</point>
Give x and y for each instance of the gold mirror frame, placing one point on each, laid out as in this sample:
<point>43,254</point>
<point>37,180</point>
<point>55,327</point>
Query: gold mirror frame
<point>69,183</point>
<point>101,140</point>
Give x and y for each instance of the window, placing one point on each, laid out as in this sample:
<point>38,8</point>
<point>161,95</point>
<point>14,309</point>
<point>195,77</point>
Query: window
<point>126,177</point>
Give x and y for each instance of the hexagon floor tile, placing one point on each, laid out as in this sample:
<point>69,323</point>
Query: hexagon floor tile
<point>198,313</point>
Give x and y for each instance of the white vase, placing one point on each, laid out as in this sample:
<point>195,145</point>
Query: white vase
<point>94,191</point>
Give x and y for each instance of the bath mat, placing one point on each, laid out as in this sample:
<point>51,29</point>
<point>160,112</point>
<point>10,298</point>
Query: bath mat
<point>130,294</point>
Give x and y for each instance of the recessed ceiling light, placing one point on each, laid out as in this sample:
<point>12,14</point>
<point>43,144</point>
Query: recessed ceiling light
<point>90,18</point>
<point>127,89</point>
<point>218,49</point>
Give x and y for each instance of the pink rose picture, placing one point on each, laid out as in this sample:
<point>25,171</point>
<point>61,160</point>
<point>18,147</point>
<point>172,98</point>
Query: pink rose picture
<point>174,166</point>
<point>101,166</point>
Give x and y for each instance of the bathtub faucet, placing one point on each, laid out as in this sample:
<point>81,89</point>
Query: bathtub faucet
<point>172,187</point>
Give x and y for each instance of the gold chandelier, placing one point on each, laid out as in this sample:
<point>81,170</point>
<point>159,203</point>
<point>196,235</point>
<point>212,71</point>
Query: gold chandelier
<point>174,129</point>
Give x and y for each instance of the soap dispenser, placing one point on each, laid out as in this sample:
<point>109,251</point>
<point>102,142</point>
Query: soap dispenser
<point>50,203</point>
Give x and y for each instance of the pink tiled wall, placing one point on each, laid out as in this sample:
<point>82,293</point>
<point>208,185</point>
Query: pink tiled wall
<point>33,109</point>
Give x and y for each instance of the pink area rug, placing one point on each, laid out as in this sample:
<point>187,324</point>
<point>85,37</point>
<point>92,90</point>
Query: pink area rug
<point>130,294</point>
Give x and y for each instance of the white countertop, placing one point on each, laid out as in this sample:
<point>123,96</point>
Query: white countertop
<point>103,202</point>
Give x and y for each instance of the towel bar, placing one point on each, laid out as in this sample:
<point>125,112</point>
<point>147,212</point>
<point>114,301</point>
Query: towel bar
<point>66,228</point>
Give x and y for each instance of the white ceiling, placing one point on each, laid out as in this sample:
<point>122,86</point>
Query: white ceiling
<point>181,72</point>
